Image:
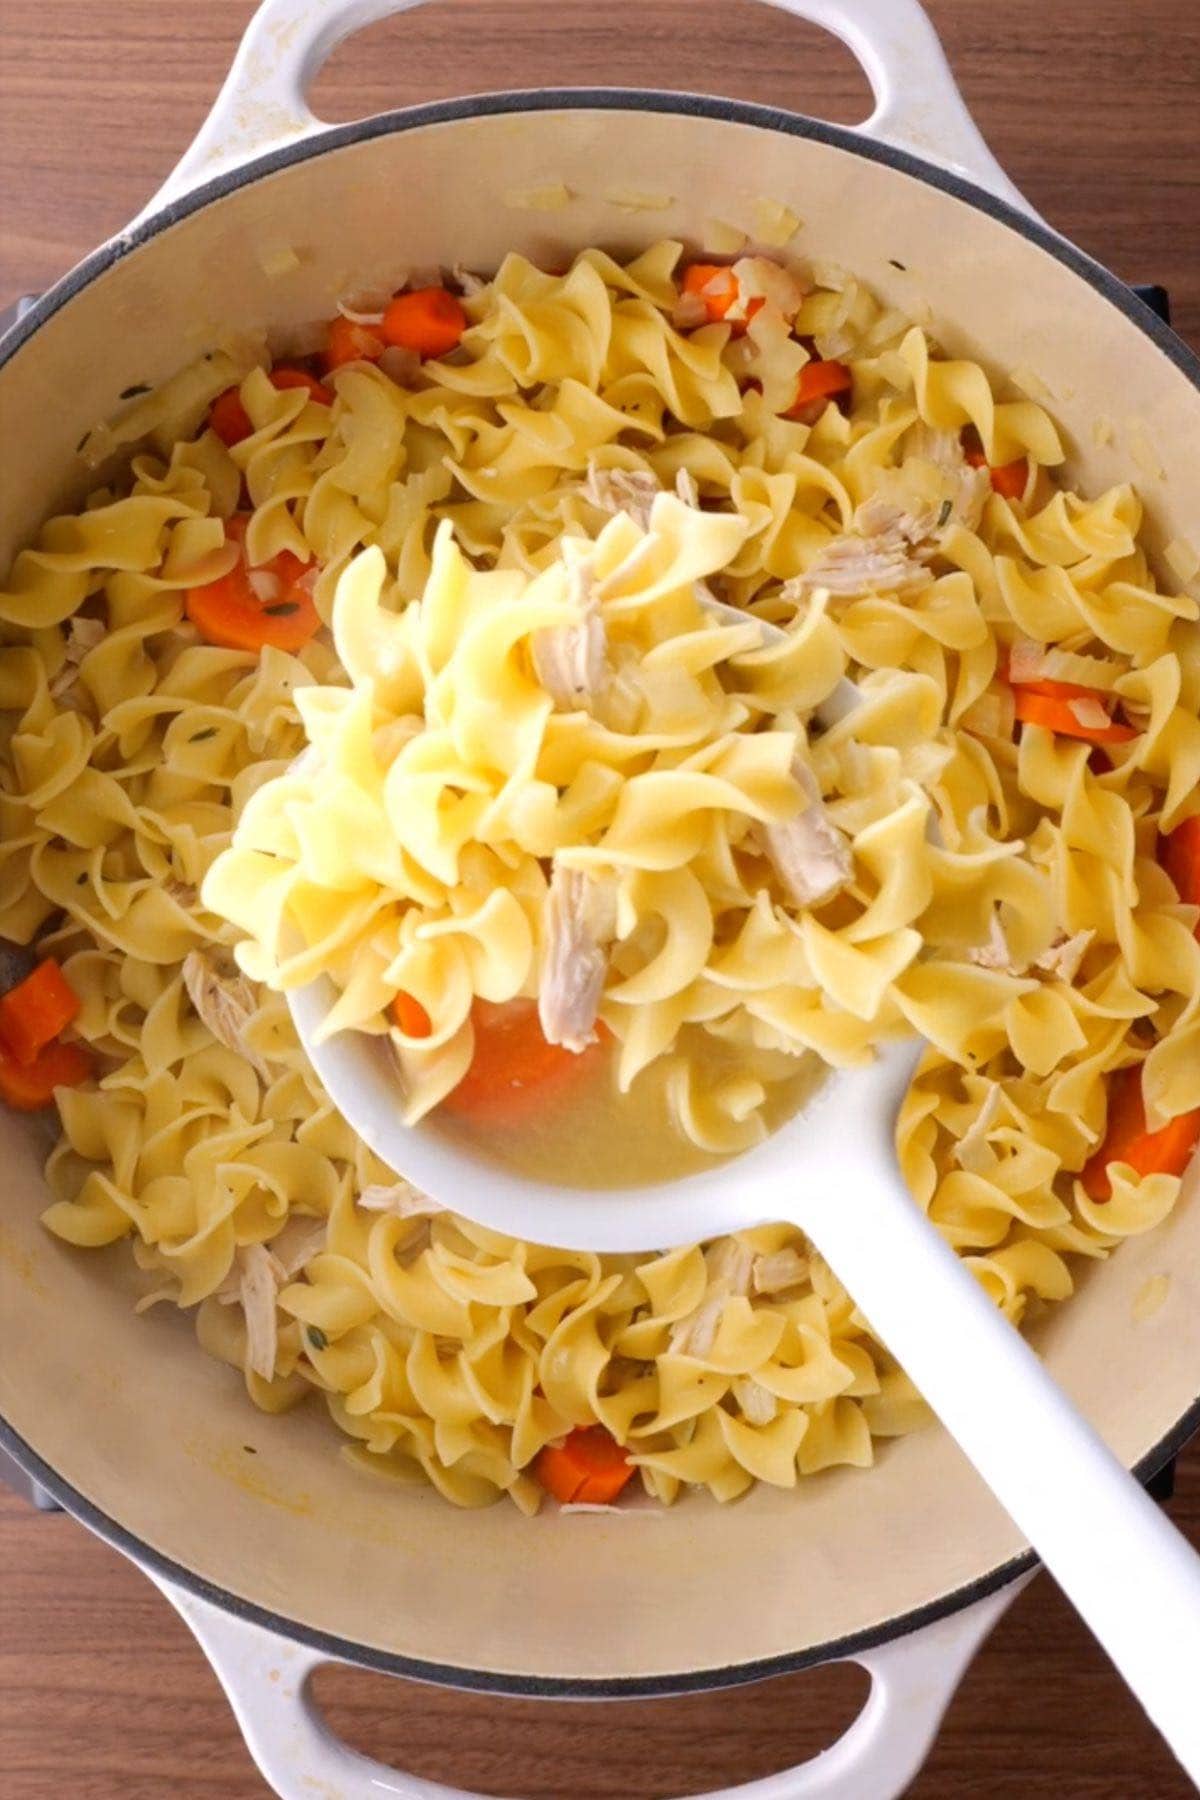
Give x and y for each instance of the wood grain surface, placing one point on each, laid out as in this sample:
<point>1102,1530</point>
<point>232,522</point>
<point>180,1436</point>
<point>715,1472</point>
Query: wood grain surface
<point>1092,105</point>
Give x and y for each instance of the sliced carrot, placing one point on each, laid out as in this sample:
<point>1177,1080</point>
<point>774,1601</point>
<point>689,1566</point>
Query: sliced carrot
<point>428,320</point>
<point>1034,708</point>
<point>1126,1139</point>
<point>27,1087</point>
<point>1007,478</point>
<point>714,284</point>
<point>34,1012</point>
<point>514,1070</point>
<point>1059,690</point>
<point>1179,854</point>
<point>410,1016</point>
<point>229,418</point>
<point>233,613</point>
<point>819,382</point>
<point>286,377</point>
<point>588,1467</point>
<point>349,341</point>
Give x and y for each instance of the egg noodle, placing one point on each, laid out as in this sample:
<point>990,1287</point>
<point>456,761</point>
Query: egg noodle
<point>587,458</point>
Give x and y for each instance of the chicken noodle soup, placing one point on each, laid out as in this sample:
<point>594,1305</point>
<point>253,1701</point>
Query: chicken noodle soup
<point>862,503</point>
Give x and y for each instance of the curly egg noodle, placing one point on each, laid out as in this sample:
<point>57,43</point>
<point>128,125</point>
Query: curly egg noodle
<point>1031,936</point>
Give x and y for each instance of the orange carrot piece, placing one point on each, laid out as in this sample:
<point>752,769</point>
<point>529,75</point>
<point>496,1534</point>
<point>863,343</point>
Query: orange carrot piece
<point>1034,708</point>
<point>286,377</point>
<point>349,341</point>
<point>231,613</point>
<point>1179,854</point>
<point>819,381</point>
<point>514,1070</point>
<point>1126,1139</point>
<point>1059,690</point>
<point>410,1016</point>
<point>428,320</point>
<point>1007,478</point>
<point>229,418</point>
<point>714,284</point>
<point>34,1011</point>
<point>27,1087</point>
<point>588,1466</point>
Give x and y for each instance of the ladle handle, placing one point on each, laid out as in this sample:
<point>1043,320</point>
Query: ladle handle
<point>1132,1577</point>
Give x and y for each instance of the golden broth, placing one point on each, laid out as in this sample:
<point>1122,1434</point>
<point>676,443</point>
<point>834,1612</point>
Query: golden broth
<point>591,1135</point>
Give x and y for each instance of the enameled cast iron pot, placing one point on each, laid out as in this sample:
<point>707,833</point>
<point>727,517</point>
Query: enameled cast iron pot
<point>288,1558</point>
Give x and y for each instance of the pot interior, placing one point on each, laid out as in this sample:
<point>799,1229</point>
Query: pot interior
<point>127,1410</point>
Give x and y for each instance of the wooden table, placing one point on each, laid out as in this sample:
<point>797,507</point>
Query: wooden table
<point>1092,107</point>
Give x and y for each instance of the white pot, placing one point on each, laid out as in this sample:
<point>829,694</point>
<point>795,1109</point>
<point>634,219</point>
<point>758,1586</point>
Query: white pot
<point>287,1557</point>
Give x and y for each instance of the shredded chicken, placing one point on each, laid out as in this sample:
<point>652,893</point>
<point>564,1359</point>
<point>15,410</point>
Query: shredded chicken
<point>1063,958</point>
<point>968,487</point>
<point>469,284</point>
<point>686,488</point>
<point>630,491</point>
<point>571,661</point>
<point>82,637</point>
<point>226,1004</point>
<point>995,954</point>
<point>300,1240</point>
<point>809,854</point>
<point>401,1198</point>
<point>580,919</point>
<point>757,1402</point>
<point>886,516</point>
<point>730,1265</point>
<point>782,1269</point>
<point>254,1281</point>
<point>971,1151</point>
<point>852,564</point>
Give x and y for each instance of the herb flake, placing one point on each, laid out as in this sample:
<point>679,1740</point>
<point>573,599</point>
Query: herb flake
<point>903,267</point>
<point>947,509</point>
<point>316,1337</point>
<point>131,393</point>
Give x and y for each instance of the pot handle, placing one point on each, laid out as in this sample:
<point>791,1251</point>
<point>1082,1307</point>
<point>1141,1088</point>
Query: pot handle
<point>263,105</point>
<point>267,1680</point>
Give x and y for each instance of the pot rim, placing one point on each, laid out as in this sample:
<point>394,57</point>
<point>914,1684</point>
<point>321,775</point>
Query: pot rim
<point>605,99</point>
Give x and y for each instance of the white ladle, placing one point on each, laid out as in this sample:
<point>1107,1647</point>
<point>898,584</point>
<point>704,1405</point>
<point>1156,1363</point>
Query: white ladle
<point>831,1171</point>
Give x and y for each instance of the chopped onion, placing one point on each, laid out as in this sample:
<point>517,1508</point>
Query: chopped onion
<point>400,365</point>
<point>689,311</point>
<point>265,585</point>
<point>359,318</point>
<point>1026,661</point>
<point>300,340</point>
<point>1089,713</point>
